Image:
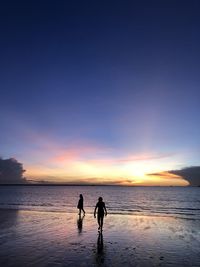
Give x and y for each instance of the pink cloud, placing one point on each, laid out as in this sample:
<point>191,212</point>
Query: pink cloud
<point>132,158</point>
<point>79,151</point>
<point>144,157</point>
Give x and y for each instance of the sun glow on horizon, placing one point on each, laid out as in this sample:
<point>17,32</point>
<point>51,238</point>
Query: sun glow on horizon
<point>138,172</point>
<point>90,163</point>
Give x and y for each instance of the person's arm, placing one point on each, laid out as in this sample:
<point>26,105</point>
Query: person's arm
<point>95,211</point>
<point>105,210</point>
<point>78,205</point>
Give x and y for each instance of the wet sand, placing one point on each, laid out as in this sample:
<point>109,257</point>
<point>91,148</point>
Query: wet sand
<point>30,238</point>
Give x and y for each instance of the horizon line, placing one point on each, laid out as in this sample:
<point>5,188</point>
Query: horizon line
<point>75,184</point>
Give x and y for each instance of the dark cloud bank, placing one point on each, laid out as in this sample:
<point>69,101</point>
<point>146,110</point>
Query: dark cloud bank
<point>11,172</point>
<point>191,174</point>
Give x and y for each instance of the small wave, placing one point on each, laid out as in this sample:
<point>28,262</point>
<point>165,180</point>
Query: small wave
<point>184,208</point>
<point>28,204</point>
<point>33,208</point>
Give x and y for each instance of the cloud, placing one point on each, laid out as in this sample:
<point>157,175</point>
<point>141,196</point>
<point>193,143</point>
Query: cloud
<point>168,178</point>
<point>106,181</point>
<point>11,172</point>
<point>68,180</point>
<point>164,175</point>
<point>191,174</point>
<point>134,161</point>
<point>146,157</point>
<point>77,152</point>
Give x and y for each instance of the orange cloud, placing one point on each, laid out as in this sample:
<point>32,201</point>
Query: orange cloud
<point>165,175</point>
<point>170,178</point>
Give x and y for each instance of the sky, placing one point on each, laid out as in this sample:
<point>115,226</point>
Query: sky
<point>100,91</point>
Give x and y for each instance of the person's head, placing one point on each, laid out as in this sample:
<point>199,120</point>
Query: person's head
<point>100,199</point>
<point>81,196</point>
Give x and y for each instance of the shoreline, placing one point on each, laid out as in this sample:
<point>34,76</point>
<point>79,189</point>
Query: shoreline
<point>93,185</point>
<point>90,213</point>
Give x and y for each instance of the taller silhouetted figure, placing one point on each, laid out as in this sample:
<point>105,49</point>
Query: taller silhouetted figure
<point>101,210</point>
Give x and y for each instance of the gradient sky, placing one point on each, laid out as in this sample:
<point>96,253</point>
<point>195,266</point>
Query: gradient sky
<point>100,91</point>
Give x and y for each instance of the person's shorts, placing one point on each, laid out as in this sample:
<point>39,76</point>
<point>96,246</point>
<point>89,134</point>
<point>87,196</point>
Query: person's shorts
<point>100,215</point>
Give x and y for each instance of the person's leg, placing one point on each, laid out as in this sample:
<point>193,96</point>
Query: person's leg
<point>83,211</point>
<point>99,221</point>
<point>79,212</point>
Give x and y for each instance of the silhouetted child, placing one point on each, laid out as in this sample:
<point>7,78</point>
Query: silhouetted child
<point>80,204</point>
<point>100,207</point>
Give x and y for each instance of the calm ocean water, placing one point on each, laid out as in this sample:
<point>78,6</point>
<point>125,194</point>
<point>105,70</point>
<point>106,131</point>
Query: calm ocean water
<point>181,202</point>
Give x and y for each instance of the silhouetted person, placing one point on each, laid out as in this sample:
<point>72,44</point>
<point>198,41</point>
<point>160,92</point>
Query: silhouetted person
<point>80,223</point>
<point>80,205</point>
<point>101,210</point>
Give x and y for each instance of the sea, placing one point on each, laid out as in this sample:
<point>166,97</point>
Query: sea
<point>181,202</point>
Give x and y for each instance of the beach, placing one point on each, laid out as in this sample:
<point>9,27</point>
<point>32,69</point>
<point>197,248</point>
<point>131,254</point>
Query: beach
<point>36,238</point>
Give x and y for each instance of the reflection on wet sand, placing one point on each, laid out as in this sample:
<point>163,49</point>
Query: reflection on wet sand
<point>100,255</point>
<point>80,223</point>
<point>8,218</point>
<point>38,239</point>
<point>100,243</point>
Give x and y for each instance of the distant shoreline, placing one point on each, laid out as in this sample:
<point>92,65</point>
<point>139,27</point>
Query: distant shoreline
<point>29,184</point>
<point>105,185</point>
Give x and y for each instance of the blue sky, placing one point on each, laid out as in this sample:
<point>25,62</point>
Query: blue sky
<point>109,81</point>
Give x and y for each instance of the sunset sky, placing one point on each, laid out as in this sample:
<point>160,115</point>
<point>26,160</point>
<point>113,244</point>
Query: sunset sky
<point>101,91</point>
